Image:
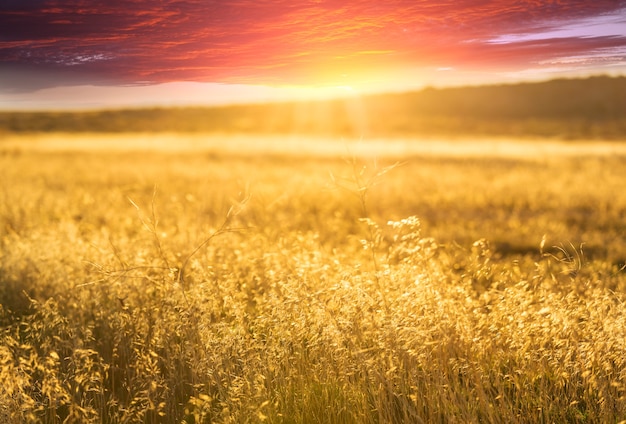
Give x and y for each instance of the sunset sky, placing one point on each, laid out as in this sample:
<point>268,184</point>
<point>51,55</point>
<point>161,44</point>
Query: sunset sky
<point>109,53</point>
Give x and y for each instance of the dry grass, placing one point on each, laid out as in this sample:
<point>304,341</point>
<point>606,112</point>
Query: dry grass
<point>221,287</point>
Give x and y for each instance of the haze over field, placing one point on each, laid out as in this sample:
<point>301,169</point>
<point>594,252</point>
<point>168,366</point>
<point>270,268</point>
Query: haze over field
<point>320,211</point>
<point>593,108</point>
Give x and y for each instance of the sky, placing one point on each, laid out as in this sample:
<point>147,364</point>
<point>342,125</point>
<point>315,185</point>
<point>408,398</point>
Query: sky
<point>76,54</point>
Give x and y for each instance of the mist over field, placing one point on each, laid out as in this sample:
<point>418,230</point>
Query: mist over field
<point>592,108</point>
<point>447,255</point>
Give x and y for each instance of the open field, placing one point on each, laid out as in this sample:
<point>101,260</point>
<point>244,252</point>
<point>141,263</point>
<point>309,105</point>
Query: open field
<point>318,147</point>
<point>576,109</point>
<point>170,278</point>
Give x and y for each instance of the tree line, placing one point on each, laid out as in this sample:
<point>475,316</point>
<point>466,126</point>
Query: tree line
<point>594,107</point>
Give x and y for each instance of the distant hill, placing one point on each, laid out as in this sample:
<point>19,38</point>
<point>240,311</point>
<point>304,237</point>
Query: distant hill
<point>565,108</point>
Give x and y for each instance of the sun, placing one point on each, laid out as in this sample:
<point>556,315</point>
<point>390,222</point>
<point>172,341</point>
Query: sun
<point>345,88</point>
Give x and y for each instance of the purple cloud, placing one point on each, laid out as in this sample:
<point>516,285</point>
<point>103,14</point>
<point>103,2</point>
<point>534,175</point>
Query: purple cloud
<point>279,41</point>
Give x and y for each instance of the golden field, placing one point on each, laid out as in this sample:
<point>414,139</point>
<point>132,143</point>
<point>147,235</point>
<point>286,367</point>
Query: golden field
<point>280,279</point>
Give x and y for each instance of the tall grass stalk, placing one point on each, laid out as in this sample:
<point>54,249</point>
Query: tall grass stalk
<point>112,314</point>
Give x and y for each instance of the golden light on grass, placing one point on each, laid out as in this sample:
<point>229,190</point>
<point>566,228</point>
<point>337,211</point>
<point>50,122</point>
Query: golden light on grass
<point>209,282</point>
<point>293,222</point>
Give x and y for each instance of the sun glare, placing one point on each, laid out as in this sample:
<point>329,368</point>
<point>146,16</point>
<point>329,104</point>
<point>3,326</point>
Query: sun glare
<point>320,92</point>
<point>345,88</point>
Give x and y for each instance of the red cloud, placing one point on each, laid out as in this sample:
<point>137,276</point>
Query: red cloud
<point>261,41</point>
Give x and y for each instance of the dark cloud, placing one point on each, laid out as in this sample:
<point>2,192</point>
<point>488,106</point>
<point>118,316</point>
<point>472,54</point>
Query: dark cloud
<point>24,5</point>
<point>261,41</point>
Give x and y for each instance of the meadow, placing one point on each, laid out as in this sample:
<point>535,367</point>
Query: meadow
<point>191,278</point>
<point>573,109</point>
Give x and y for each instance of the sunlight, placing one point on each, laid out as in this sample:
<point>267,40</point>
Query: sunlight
<point>319,91</point>
<point>345,88</point>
